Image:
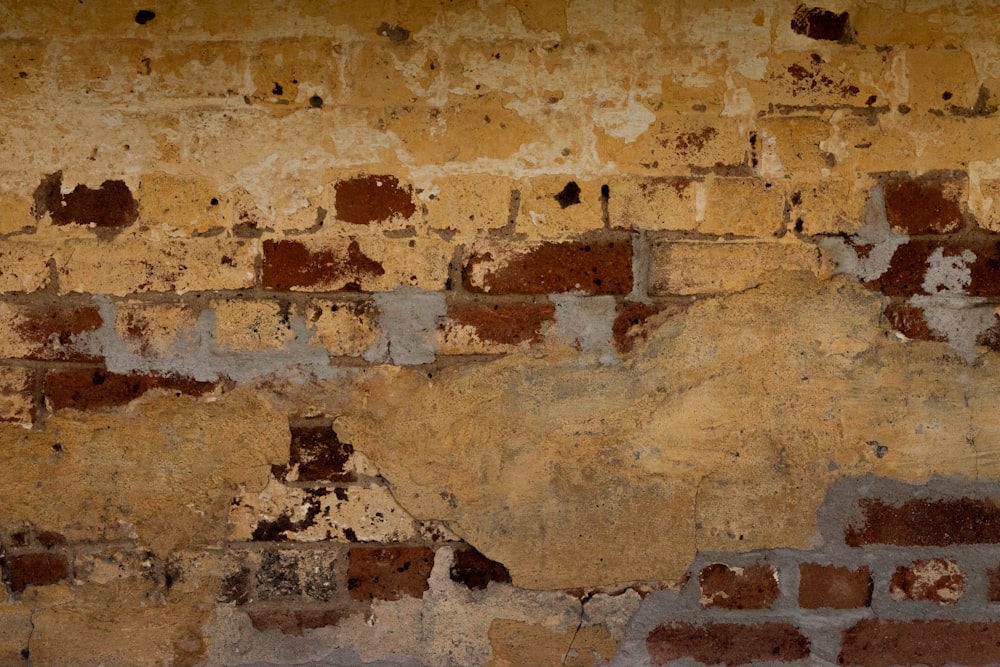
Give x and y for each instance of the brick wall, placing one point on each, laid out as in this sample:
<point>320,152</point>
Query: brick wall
<point>499,333</point>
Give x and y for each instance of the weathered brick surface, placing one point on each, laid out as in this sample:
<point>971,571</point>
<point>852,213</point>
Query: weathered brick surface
<point>829,586</point>
<point>484,328</point>
<point>53,332</point>
<point>17,394</point>
<point>296,573</point>
<point>476,570</point>
<point>974,271</point>
<point>881,643</point>
<point>926,522</point>
<point>936,580</point>
<point>931,204</point>
<point>292,621</point>
<point>95,389</point>
<point>317,454</point>
<point>591,267</point>
<point>388,573</point>
<point>728,587</point>
<point>35,569</point>
<point>727,643</point>
<point>654,203</point>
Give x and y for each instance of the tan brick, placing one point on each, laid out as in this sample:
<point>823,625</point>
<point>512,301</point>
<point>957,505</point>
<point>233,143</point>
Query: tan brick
<point>154,330</point>
<point>24,265</point>
<point>251,326</point>
<point>759,213</point>
<point>22,69</point>
<point>15,213</point>
<point>15,632</point>
<point>388,75</point>
<point>467,204</point>
<point>302,72</point>
<point>554,207</point>
<point>519,643</point>
<point>941,79</point>
<point>166,265</point>
<point>793,146</point>
<point>179,205</point>
<point>115,70</point>
<point>279,512</point>
<point>832,206</point>
<point>674,143</point>
<point>685,268</point>
<point>344,328</point>
<point>17,396</point>
<point>849,77</point>
<point>887,23</point>
<point>655,203</point>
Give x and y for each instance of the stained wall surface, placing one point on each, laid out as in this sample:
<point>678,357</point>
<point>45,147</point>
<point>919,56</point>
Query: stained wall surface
<point>483,332</point>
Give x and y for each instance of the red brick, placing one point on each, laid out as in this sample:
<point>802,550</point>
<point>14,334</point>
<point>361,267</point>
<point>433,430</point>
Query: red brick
<point>475,570</point>
<point>595,267</point>
<point>727,643</point>
<point>291,621</point>
<point>289,264</point>
<point>930,204</point>
<point>934,580</point>
<point>832,587</point>
<point>35,569</point>
<point>909,264</point>
<point>882,643</point>
<point>751,587</point>
<point>366,199</point>
<point>910,321</point>
<point>504,323</point>
<point>94,389</point>
<point>318,453</point>
<point>923,522</point>
<point>388,573</point>
<point>111,206</point>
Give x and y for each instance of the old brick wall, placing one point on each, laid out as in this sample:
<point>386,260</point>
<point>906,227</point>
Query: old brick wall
<point>485,332</point>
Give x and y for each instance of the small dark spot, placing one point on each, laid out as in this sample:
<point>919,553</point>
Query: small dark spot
<point>397,34</point>
<point>872,99</point>
<point>799,224</point>
<point>796,198</point>
<point>25,653</point>
<point>23,75</point>
<point>946,95</point>
<point>878,448</point>
<point>570,195</point>
<point>277,90</point>
<point>214,201</point>
<point>350,535</point>
<point>144,16</point>
<point>699,107</point>
<point>605,192</point>
<point>903,109</point>
<point>316,102</point>
<point>57,448</point>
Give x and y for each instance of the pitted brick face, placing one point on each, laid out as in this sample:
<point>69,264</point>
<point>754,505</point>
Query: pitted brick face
<point>751,587</point>
<point>366,199</point>
<point>926,205</point>
<point>726,643</point>
<point>292,621</point>
<point>317,454</point>
<point>933,580</point>
<point>54,331</point>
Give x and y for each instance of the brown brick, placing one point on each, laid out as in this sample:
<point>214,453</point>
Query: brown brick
<point>832,587</point>
<point>751,587</point>
<point>110,206</point>
<point>594,267</point>
<point>475,570</point>
<point>922,522</point>
<point>95,389</point>
<point>482,328</point>
<point>35,569</point>
<point>929,204</point>
<point>821,24</point>
<point>291,621</point>
<point>882,643</point>
<point>910,321</point>
<point>727,643</point>
<point>365,199</point>
<point>388,573</point>
<point>933,580</point>
<point>290,264</point>
<point>317,454</point>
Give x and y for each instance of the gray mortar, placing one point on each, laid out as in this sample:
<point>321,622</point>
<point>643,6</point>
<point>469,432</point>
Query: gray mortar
<point>824,627</point>
<point>408,318</point>
<point>195,355</point>
<point>586,323</point>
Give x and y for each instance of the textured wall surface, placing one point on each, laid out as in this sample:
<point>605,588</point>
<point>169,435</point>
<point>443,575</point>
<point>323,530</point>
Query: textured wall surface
<point>485,332</point>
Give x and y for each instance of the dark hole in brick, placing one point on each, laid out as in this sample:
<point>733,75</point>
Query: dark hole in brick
<point>570,195</point>
<point>397,34</point>
<point>214,201</point>
<point>25,653</point>
<point>277,90</point>
<point>946,95</point>
<point>144,16</point>
<point>316,102</point>
<point>475,570</point>
<point>605,192</point>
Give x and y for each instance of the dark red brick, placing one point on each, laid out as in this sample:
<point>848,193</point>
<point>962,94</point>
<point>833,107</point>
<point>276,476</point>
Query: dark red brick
<point>934,580</point>
<point>111,206</point>
<point>726,643</point>
<point>929,204</point>
<point>908,267</point>
<point>366,199</point>
<point>475,570</point>
<point>290,620</point>
<point>289,264</point>
<point>95,389</point>
<point>596,268</point>
<point>923,522</point>
<point>832,587</point>
<point>883,643</point>
<point>316,453</point>
<point>504,323</point>
<point>53,331</point>
<point>35,569</point>
<point>388,573</point>
<point>910,321</point>
<point>751,587</point>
